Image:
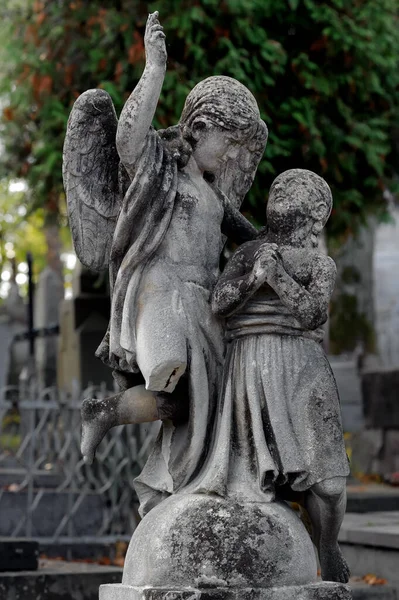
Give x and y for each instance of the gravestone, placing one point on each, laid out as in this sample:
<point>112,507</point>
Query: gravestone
<point>83,323</point>
<point>347,375</point>
<point>13,320</point>
<point>376,450</point>
<point>48,297</point>
<point>386,289</point>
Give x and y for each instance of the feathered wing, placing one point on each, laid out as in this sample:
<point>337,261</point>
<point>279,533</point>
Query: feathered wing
<point>94,179</point>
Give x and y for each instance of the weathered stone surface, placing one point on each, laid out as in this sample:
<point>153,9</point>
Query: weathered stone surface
<point>208,491</point>
<point>207,541</point>
<point>279,420</point>
<point>160,227</point>
<point>316,591</point>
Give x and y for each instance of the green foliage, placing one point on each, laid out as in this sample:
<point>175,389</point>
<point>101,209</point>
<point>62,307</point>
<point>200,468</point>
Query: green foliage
<point>325,75</point>
<point>20,233</point>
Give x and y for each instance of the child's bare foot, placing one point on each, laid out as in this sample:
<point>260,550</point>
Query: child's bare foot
<point>333,565</point>
<point>98,416</point>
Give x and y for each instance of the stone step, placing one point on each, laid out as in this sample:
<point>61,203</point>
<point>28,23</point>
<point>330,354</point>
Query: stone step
<point>51,507</point>
<point>58,580</point>
<point>370,543</point>
<point>372,498</point>
<point>362,591</point>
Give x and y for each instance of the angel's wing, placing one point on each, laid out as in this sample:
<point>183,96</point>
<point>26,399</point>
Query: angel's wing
<point>94,179</point>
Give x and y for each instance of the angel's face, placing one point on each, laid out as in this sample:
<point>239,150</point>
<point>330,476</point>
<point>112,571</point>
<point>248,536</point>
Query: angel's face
<point>214,147</point>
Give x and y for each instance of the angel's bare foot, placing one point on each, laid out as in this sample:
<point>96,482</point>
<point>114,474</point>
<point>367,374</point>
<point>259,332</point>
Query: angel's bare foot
<point>135,405</point>
<point>98,416</point>
<point>333,565</point>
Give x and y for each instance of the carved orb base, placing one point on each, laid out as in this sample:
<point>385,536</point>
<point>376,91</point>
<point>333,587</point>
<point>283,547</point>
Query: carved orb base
<point>209,545</point>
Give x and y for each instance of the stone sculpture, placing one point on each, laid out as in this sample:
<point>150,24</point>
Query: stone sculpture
<point>163,251</point>
<point>239,436</point>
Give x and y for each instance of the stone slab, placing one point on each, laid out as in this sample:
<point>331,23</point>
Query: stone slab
<point>18,554</point>
<point>370,544</point>
<point>380,398</point>
<point>346,373</point>
<point>381,562</point>
<point>58,580</point>
<point>376,529</point>
<point>372,498</point>
<point>362,591</point>
<point>316,591</point>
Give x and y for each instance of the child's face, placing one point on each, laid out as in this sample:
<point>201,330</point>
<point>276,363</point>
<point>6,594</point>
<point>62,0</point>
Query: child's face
<point>289,206</point>
<point>214,147</point>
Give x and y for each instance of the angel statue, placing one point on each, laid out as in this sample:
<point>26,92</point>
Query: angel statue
<point>155,207</point>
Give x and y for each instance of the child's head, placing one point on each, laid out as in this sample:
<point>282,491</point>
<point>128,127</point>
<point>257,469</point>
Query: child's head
<point>298,199</point>
<point>221,127</point>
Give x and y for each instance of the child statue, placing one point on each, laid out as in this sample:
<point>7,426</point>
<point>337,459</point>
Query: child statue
<point>279,422</point>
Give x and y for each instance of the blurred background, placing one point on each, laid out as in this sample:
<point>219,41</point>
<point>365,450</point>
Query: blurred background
<point>326,78</point>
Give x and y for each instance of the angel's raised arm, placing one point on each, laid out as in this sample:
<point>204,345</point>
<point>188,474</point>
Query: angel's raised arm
<point>139,110</point>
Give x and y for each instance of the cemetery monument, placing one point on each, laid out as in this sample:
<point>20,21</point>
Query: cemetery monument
<point>231,364</point>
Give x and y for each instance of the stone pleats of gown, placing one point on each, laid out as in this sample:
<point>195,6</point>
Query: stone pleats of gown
<point>278,420</point>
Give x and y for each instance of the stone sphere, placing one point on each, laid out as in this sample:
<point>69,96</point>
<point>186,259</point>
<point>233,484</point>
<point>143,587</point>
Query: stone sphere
<point>202,541</point>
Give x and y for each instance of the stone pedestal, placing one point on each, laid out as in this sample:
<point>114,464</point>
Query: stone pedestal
<point>196,546</point>
<point>314,591</point>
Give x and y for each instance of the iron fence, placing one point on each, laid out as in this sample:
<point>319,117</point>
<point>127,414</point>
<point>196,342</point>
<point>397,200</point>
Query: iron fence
<point>47,492</point>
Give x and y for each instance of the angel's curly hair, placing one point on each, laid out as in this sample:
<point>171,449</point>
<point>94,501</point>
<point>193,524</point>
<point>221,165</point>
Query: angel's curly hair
<point>222,102</point>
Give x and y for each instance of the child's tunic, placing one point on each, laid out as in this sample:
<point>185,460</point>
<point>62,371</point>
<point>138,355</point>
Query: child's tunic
<point>279,414</point>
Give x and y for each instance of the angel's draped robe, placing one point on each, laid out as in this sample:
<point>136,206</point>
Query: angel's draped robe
<point>171,298</point>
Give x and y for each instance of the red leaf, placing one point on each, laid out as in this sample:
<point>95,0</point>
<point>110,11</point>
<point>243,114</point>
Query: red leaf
<point>8,113</point>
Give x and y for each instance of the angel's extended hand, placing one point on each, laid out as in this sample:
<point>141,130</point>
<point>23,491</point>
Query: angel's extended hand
<point>154,42</point>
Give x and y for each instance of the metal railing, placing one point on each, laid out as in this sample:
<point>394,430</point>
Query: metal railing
<point>46,490</point>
